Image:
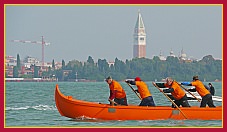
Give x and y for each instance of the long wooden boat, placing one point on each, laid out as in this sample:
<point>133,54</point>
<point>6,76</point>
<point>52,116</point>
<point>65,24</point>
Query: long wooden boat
<point>73,108</point>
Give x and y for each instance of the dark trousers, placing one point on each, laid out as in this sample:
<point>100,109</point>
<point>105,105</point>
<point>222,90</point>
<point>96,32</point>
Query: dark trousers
<point>121,101</point>
<point>183,102</point>
<point>148,101</point>
<point>207,99</point>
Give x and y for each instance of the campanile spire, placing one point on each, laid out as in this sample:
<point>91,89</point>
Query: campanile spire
<point>139,47</point>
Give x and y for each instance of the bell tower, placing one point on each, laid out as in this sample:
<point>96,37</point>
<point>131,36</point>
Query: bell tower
<point>139,38</point>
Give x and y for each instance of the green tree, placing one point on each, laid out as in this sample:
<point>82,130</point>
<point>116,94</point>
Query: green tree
<point>15,71</point>
<point>53,64</point>
<point>36,71</point>
<point>103,65</point>
<point>90,61</point>
<point>63,64</point>
<point>18,62</point>
<point>148,69</point>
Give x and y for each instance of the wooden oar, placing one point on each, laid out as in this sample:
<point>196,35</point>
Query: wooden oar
<point>189,92</point>
<point>134,91</point>
<point>170,100</point>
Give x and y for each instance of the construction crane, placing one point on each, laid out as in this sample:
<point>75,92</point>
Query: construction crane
<point>35,42</point>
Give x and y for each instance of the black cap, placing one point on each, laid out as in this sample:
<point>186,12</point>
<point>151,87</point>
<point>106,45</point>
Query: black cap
<point>109,77</point>
<point>195,78</point>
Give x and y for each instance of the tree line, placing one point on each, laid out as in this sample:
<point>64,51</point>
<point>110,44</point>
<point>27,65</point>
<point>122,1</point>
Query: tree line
<point>153,69</point>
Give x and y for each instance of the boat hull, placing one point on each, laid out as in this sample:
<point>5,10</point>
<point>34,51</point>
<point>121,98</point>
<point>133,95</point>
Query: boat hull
<point>73,108</point>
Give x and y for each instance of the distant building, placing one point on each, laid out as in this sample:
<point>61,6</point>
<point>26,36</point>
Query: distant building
<point>10,61</point>
<point>183,57</point>
<point>171,53</point>
<point>161,57</point>
<point>31,60</point>
<point>27,66</point>
<point>139,47</point>
<point>110,63</point>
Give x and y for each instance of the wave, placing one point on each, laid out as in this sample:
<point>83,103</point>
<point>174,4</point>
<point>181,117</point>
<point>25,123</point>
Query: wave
<point>37,107</point>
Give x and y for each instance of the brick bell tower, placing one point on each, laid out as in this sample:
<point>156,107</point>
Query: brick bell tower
<point>139,38</point>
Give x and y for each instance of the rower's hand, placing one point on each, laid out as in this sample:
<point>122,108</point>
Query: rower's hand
<point>128,81</point>
<point>111,102</point>
<point>137,91</point>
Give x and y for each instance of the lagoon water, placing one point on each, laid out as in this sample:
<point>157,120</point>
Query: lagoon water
<point>32,104</point>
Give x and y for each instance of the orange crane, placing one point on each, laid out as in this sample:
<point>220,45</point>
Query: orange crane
<point>36,42</point>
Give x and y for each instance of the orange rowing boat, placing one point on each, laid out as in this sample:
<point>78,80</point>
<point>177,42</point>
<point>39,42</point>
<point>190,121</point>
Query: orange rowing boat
<point>73,108</point>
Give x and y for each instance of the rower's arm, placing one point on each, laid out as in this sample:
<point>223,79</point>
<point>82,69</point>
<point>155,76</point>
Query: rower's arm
<point>192,89</point>
<point>186,83</point>
<point>169,90</point>
<point>160,85</point>
<point>131,82</point>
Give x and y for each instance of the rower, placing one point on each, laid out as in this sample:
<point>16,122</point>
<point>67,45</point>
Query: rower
<point>203,92</point>
<point>174,88</point>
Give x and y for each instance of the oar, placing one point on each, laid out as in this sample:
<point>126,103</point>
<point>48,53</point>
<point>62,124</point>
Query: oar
<point>170,100</point>
<point>189,92</point>
<point>134,91</point>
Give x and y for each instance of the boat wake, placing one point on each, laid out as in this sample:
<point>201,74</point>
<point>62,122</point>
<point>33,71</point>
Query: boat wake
<point>86,119</point>
<point>36,107</point>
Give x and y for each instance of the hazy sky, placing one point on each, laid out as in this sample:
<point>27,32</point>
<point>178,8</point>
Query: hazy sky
<point>106,32</point>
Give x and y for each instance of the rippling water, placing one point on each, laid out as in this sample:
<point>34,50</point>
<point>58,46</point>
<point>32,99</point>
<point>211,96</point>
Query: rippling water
<point>31,104</point>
